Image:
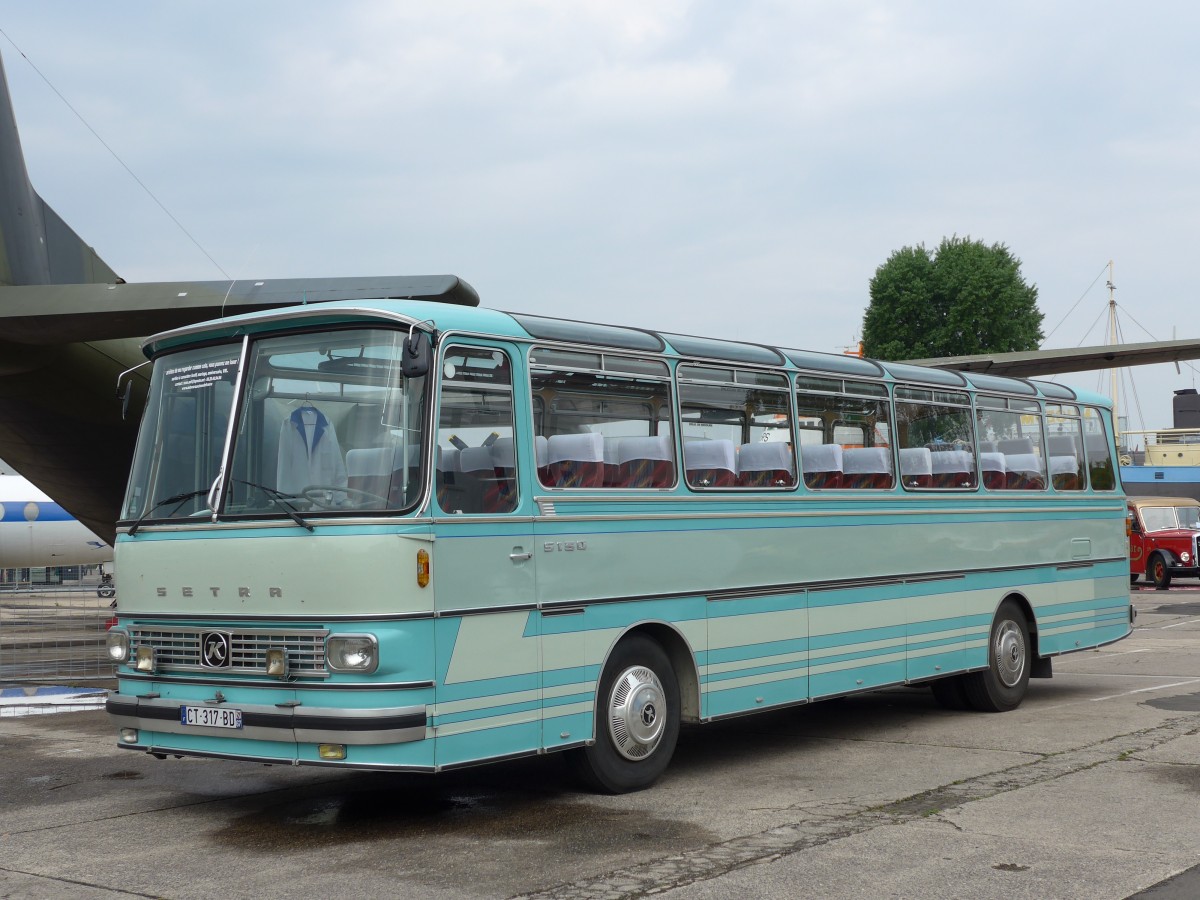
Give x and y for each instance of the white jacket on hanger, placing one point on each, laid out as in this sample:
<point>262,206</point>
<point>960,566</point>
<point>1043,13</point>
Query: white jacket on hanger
<point>309,452</point>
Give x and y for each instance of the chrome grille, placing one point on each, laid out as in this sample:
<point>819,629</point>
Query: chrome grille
<point>179,649</point>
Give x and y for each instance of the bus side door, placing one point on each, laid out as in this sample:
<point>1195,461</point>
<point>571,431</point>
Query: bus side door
<point>488,660</point>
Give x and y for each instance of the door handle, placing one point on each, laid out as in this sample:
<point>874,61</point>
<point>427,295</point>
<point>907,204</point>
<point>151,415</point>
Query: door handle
<point>519,555</point>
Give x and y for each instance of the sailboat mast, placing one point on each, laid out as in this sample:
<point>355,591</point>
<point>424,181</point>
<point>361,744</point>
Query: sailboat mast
<point>1112,339</point>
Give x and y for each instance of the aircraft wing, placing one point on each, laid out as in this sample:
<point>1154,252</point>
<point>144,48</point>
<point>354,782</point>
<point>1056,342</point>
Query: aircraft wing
<point>73,313</point>
<point>1035,363</point>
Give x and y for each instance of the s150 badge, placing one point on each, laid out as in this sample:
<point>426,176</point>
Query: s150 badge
<point>557,546</point>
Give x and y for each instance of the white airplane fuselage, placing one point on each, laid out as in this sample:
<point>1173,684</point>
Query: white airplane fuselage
<point>36,531</point>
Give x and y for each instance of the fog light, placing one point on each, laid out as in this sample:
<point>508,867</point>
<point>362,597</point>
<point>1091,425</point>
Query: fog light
<point>277,663</point>
<point>145,659</point>
<point>331,751</point>
<point>118,645</point>
<point>129,735</point>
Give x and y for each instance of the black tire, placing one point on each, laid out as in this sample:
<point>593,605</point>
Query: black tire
<point>637,720</point>
<point>105,591</point>
<point>950,693</point>
<point>1159,572</point>
<point>1001,686</point>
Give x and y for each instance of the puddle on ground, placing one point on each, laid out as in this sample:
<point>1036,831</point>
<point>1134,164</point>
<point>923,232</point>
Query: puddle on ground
<point>384,813</point>
<point>1177,609</point>
<point>1177,703</point>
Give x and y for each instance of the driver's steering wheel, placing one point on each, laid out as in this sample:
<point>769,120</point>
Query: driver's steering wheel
<point>320,495</point>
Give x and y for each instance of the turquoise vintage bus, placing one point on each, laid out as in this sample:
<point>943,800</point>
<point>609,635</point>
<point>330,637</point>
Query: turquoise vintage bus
<point>412,536</point>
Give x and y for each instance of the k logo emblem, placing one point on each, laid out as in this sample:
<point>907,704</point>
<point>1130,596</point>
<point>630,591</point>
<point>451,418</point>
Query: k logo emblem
<point>214,646</point>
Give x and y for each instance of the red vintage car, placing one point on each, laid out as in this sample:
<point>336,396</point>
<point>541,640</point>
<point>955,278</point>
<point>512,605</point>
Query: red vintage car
<point>1162,539</point>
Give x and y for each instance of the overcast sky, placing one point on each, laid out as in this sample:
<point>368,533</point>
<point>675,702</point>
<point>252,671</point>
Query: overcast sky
<point>730,169</point>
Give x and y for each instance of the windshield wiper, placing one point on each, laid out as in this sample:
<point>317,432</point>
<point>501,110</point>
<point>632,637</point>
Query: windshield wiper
<point>177,499</point>
<point>282,500</point>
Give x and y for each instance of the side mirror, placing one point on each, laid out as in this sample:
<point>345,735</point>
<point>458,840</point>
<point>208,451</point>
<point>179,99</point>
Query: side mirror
<point>125,395</point>
<point>417,355</point>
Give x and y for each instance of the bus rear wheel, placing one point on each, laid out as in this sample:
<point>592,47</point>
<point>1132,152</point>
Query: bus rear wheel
<point>1001,686</point>
<point>637,720</point>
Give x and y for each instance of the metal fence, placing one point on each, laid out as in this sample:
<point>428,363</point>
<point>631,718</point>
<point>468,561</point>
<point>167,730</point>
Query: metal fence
<point>52,631</point>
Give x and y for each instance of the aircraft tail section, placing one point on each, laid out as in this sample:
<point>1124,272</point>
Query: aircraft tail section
<point>70,260</point>
<point>36,245</point>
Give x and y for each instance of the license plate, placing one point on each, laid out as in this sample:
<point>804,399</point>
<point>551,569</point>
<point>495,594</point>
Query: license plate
<point>211,716</point>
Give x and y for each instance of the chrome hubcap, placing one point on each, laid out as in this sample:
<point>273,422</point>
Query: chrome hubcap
<point>637,713</point>
<point>1010,653</point>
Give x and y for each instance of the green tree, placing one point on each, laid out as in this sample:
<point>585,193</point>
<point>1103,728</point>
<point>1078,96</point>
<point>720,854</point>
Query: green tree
<point>966,298</point>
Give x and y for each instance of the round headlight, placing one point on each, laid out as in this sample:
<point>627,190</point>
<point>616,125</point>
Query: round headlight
<point>1185,556</point>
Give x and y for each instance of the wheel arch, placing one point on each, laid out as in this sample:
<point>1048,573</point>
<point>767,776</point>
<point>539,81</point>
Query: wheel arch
<point>683,662</point>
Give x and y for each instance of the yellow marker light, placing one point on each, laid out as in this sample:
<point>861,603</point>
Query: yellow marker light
<point>331,751</point>
<point>422,568</point>
<point>277,662</point>
<point>145,659</point>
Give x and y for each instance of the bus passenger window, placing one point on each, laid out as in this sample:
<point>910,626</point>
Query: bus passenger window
<point>1101,466</point>
<point>846,434</point>
<point>737,428</point>
<point>475,468</point>
<point>1064,448</point>
<point>1010,441</point>
<point>939,423</point>
<point>601,420</point>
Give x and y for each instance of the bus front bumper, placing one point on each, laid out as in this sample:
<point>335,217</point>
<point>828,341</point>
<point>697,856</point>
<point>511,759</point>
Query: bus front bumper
<point>285,723</point>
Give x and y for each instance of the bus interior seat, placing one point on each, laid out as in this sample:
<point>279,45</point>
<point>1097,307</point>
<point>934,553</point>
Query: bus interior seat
<point>646,462</point>
<point>576,460</point>
<point>822,465</point>
<point>474,472</point>
<point>867,467</point>
<point>954,469</point>
<point>1066,467</point>
<point>1024,472</point>
<point>765,465</point>
<point>446,479</point>
<point>916,467</point>
<point>541,453</point>
<point>994,471</point>
<point>1015,446</point>
<point>612,462</point>
<point>500,495</point>
<point>371,469</point>
<point>710,463</point>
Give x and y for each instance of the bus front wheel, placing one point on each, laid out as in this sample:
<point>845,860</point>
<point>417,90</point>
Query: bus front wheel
<point>1001,686</point>
<point>637,720</point>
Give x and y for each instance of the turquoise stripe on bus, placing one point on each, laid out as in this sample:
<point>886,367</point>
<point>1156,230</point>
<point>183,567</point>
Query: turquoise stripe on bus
<point>548,703</point>
<point>751,651</point>
<point>488,687</point>
<point>863,636</point>
<point>570,675</point>
<point>751,671</point>
<point>487,712</point>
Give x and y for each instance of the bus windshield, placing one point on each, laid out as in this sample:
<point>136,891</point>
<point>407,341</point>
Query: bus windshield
<point>326,424</point>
